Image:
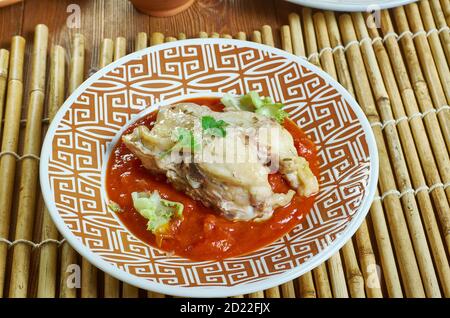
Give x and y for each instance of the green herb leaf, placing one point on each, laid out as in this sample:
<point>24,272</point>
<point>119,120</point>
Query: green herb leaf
<point>264,106</point>
<point>273,111</point>
<point>214,127</point>
<point>113,206</point>
<point>251,99</point>
<point>159,212</point>
<point>267,100</point>
<point>230,101</point>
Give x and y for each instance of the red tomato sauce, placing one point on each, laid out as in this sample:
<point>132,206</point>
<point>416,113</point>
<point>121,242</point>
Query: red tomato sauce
<point>202,234</point>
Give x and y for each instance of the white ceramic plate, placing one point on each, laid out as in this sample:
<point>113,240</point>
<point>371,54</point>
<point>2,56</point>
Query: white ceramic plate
<point>352,5</point>
<point>81,136</point>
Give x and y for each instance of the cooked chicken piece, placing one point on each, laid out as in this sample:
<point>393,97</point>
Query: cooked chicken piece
<point>228,172</point>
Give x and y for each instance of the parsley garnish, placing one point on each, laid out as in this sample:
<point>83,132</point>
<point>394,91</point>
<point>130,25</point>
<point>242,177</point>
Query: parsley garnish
<point>273,111</point>
<point>214,127</point>
<point>255,103</point>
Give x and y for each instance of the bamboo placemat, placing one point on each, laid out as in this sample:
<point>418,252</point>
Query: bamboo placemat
<point>399,74</point>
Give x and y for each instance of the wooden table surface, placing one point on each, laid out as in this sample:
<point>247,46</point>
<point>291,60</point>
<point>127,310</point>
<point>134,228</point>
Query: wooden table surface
<point>112,18</point>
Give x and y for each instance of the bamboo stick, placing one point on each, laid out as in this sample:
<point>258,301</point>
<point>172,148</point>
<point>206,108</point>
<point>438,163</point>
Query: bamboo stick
<point>4,59</point>
<point>411,105</point>
<point>402,243</point>
<point>296,35</point>
<point>322,282</point>
<point>9,144</point>
<point>286,42</point>
<point>256,37</point>
<point>334,264</point>
<point>88,271</point>
<point>76,76</point>
<point>151,294</point>
<point>273,292</point>
<point>241,36</point>
<point>417,125</point>
<point>394,142</point>
<point>258,294</point>
<point>388,264</point>
<point>56,94</point>
<point>413,161</point>
<point>368,263</point>
<point>140,41</point>
<point>76,66</point>
<point>441,24</point>
<point>365,251</point>
<point>432,76</point>
<point>432,48</point>
<point>181,36</point>
<point>437,137</point>
<point>46,287</point>
<point>438,48</point>
<point>88,279</point>
<point>156,38</point>
<point>288,290</point>
<point>106,52</point>
<point>355,279</point>
<point>340,61</point>
<point>267,36</point>
<point>306,286</point>
<point>446,10</point>
<point>120,48</point>
<point>323,42</point>
<point>337,276</point>
<point>112,287</point>
<point>129,291</point>
<point>170,39</point>
<point>310,40</point>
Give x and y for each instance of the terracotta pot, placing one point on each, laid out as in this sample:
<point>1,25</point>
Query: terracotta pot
<point>162,8</point>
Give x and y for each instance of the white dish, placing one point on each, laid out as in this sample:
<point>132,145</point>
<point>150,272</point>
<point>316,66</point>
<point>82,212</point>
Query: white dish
<point>352,5</point>
<point>82,133</point>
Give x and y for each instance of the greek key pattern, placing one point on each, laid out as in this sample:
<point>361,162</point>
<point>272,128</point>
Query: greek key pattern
<point>102,109</point>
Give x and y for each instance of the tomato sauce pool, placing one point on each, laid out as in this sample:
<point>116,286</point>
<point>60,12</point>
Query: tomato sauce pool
<point>203,234</point>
